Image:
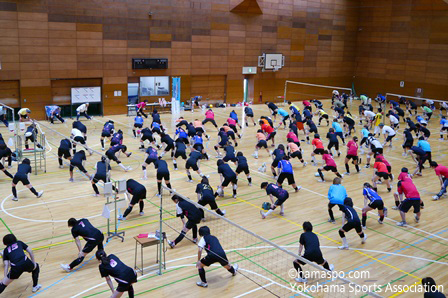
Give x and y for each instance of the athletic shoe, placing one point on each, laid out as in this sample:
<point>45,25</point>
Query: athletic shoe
<point>404,154</point>
<point>320,180</point>
<point>282,213</point>
<point>364,239</point>
<point>142,213</point>
<point>40,193</point>
<point>299,188</point>
<point>15,199</point>
<point>380,221</point>
<point>71,180</point>
<point>195,240</point>
<point>394,208</point>
<point>255,156</point>
<point>201,284</point>
<point>96,195</point>
<point>315,164</point>
<point>332,221</point>
<point>36,288</point>
<point>367,166</point>
<point>144,178</point>
<point>171,243</point>
<point>262,215</point>
<point>66,267</point>
<point>250,183</point>
<point>331,267</point>
<point>435,198</point>
<point>218,156</point>
<point>61,166</point>
<point>364,227</point>
<point>305,163</point>
<point>91,177</point>
<point>343,247</point>
<point>401,224</point>
<point>190,181</point>
<point>158,195</point>
<point>234,196</point>
<point>385,212</point>
<point>299,279</point>
<point>223,212</point>
<point>235,267</point>
<point>417,219</point>
<point>102,149</point>
<point>347,173</point>
<point>130,153</point>
<point>120,217</point>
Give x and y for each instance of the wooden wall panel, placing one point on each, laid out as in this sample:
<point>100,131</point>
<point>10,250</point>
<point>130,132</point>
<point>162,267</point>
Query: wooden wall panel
<point>10,93</point>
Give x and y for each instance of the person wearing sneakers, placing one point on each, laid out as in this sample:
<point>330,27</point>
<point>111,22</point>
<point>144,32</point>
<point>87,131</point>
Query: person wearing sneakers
<point>138,125</point>
<point>193,215</point>
<point>330,165</point>
<point>108,131</point>
<point>138,192</point>
<point>295,151</point>
<point>242,166</point>
<point>318,148</point>
<point>215,254</point>
<point>22,175</point>
<point>224,139</point>
<point>206,196</point>
<point>277,156</point>
<point>261,143</point>
<point>192,163</point>
<point>82,111</point>
<point>151,156</point>
<point>310,242</point>
<point>375,148</point>
<point>94,237</point>
<point>389,133</point>
<point>17,262</point>
<point>442,173</point>
<point>273,109</point>
<point>249,113</point>
<point>381,171</point>
<point>338,130</point>
<point>209,117</point>
<point>179,151</point>
<point>77,162</point>
<point>372,200</point>
<point>163,173</point>
<point>412,200</point>
<point>198,144</point>
<point>286,172</point>
<point>336,196</point>
<point>65,146</point>
<point>312,128</point>
<point>227,176</point>
<point>365,134</point>
<point>146,134</point>
<point>333,142</point>
<point>352,153</point>
<point>322,115</point>
<point>350,220</point>
<point>269,131</point>
<point>102,173</point>
<point>113,150</point>
<point>408,141</point>
<point>273,190</point>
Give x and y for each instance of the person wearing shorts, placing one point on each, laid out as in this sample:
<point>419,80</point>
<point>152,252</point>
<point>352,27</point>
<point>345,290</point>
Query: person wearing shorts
<point>230,154</point>
<point>198,145</point>
<point>179,151</point>
<point>322,115</point>
<point>389,133</point>
<point>138,125</point>
<point>138,192</point>
<point>350,220</point>
<point>193,215</point>
<point>94,237</point>
<point>375,148</point>
<point>113,150</point>
<point>310,242</point>
<point>223,140</point>
<point>206,196</point>
<point>182,136</point>
<point>372,201</point>
<point>163,173</point>
<point>408,141</point>
<point>31,135</point>
<point>22,175</point>
<point>151,157</point>
<point>108,130</point>
<point>261,143</point>
<point>169,144</point>
<point>242,166</point>
<point>193,163</point>
<point>269,131</point>
<point>336,196</point>
<point>318,148</point>
<point>286,172</point>
<point>147,135</point>
<point>249,113</point>
<point>24,114</point>
<point>273,109</point>
<point>312,128</point>
<point>333,142</point>
<point>102,174</point>
<point>227,176</point>
<point>18,262</point>
<point>209,117</point>
<point>277,156</point>
<point>352,153</point>
<point>330,165</point>
<point>215,254</point>
<point>280,194</point>
<point>338,130</point>
<point>295,151</point>
<point>141,108</point>
<point>381,172</point>
<point>230,133</point>
<point>408,189</point>
<point>77,162</point>
<point>5,152</point>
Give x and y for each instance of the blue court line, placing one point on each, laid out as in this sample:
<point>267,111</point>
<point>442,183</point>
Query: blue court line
<point>387,255</point>
<point>71,272</point>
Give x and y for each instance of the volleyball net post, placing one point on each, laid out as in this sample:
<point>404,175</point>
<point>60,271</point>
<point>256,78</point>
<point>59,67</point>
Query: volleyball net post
<point>262,263</point>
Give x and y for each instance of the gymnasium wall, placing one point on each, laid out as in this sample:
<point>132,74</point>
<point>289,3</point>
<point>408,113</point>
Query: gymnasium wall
<point>403,40</point>
<point>47,45</point>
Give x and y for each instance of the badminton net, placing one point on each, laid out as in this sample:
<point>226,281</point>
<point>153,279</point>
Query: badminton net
<point>266,269</point>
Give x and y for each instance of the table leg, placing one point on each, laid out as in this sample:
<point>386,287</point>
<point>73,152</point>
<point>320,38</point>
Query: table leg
<point>135,257</point>
<point>142,256</point>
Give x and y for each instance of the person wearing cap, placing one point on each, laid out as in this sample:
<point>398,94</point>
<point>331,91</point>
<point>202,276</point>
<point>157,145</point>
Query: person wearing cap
<point>24,114</point>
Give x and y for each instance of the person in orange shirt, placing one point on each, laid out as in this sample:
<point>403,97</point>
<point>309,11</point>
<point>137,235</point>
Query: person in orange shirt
<point>295,151</point>
<point>261,143</point>
<point>269,131</point>
<point>199,127</point>
<point>318,148</point>
<point>380,172</point>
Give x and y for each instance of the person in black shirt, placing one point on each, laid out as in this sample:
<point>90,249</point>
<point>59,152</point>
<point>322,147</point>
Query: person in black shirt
<point>110,153</point>
<point>273,108</point>
<point>92,235</point>
<point>310,241</point>
<point>181,151</point>
<point>81,127</point>
<point>249,114</point>
<point>334,142</point>
<point>242,166</point>
<point>31,135</point>
<point>206,196</point>
<point>77,161</point>
<point>230,154</point>
<point>162,173</point>
<point>5,152</point>
<point>194,216</point>
<point>431,289</point>
<point>102,173</point>
<point>193,163</point>
<point>64,151</point>
<point>156,117</point>
<point>165,138</point>
<point>215,254</point>
<point>227,175</point>
<point>411,125</point>
<point>138,192</point>
<point>15,258</point>
<point>350,220</point>
<point>181,121</point>
<point>107,132</point>
<point>22,175</point>
<point>410,105</point>
<point>125,276</point>
<point>224,139</point>
<point>422,129</point>
<point>312,128</point>
<point>146,134</point>
<point>408,141</point>
<point>277,155</point>
<point>151,156</point>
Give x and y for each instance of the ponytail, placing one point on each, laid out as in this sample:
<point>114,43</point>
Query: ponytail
<point>102,256</point>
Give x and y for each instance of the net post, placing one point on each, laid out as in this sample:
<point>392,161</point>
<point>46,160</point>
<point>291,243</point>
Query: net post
<point>161,237</point>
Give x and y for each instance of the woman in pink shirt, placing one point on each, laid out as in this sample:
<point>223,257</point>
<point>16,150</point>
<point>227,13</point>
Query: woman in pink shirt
<point>352,153</point>
<point>389,167</point>
<point>140,107</point>
<point>330,165</point>
<point>210,117</point>
<point>293,136</point>
<point>232,124</point>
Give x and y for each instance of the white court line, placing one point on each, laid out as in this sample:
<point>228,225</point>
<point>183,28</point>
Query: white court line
<point>254,290</point>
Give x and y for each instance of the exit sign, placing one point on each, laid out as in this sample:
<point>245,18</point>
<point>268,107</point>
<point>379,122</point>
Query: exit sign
<point>250,70</point>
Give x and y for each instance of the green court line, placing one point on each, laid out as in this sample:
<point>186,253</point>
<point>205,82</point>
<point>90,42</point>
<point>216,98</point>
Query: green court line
<point>409,231</point>
<point>4,223</point>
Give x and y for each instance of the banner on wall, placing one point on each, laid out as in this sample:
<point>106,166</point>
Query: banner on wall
<point>176,89</point>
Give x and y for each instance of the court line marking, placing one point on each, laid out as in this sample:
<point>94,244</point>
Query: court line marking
<point>254,290</point>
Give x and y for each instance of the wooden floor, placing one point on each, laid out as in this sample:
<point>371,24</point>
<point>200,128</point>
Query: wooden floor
<point>392,254</point>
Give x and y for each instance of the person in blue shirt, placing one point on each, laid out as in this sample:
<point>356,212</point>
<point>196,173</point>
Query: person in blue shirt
<point>156,128</point>
<point>394,104</point>
<point>182,136</point>
<point>286,172</point>
<point>198,145</point>
<point>151,156</point>
<point>336,195</point>
<point>338,130</point>
<point>274,191</point>
<point>108,130</point>
<point>350,220</point>
<point>285,116</point>
<point>372,200</point>
<point>55,112</point>
<point>138,124</point>
<point>234,116</point>
<point>117,138</point>
<point>444,127</point>
<point>307,114</point>
<point>365,134</point>
<point>230,154</point>
<point>425,146</point>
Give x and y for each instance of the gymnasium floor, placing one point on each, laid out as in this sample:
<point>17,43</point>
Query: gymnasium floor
<point>392,254</point>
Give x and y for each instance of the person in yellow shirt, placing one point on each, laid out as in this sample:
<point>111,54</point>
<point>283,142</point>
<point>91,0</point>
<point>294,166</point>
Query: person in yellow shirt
<point>377,121</point>
<point>24,114</point>
<point>322,115</point>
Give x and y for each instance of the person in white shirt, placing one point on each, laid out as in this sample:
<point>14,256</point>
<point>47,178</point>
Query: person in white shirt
<point>82,111</point>
<point>394,122</point>
<point>370,116</point>
<point>24,114</point>
<point>375,148</point>
<point>389,133</point>
<point>444,106</point>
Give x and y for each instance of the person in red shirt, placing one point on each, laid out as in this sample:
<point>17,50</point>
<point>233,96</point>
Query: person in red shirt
<point>412,200</point>
<point>140,108</point>
<point>380,172</point>
<point>388,165</point>
<point>269,131</point>
<point>442,173</point>
<point>405,177</point>
<point>352,153</point>
<point>330,165</point>
<point>318,148</point>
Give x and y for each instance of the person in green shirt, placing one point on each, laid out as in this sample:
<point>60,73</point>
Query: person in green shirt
<point>427,112</point>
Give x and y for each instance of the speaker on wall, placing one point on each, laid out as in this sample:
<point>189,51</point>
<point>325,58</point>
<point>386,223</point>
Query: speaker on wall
<point>149,63</point>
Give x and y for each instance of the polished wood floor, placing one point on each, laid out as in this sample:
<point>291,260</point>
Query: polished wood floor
<point>392,254</point>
